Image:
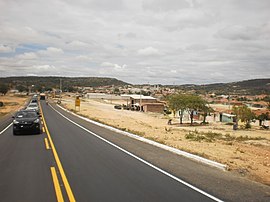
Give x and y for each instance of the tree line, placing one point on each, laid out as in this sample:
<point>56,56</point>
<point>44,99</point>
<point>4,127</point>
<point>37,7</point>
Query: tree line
<point>194,103</point>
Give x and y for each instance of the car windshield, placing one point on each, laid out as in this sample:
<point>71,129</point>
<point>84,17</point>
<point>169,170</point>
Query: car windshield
<point>32,105</point>
<point>27,114</point>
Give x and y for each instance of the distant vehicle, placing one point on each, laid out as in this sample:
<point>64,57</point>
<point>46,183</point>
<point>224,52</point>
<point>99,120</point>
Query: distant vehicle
<point>42,96</point>
<point>34,100</point>
<point>117,106</point>
<point>32,106</point>
<point>26,122</point>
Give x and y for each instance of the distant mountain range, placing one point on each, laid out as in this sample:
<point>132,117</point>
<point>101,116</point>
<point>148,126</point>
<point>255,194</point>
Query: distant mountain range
<point>247,87</point>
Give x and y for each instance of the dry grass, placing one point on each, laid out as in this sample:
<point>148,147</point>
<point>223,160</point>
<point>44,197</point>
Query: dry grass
<point>12,103</point>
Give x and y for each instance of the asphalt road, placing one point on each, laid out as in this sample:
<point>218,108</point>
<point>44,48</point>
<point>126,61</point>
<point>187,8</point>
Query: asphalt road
<point>89,168</point>
<point>25,168</point>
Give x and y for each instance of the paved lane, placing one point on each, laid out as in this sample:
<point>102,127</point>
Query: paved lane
<point>98,171</point>
<point>25,168</point>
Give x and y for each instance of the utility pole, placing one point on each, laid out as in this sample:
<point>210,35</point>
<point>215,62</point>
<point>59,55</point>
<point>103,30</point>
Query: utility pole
<point>60,89</point>
<point>141,100</point>
<point>229,100</point>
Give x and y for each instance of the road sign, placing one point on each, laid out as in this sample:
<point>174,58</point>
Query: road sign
<point>77,102</point>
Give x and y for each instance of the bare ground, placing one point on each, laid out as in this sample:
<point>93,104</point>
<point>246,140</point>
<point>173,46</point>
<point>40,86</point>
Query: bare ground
<point>246,152</point>
<point>12,103</point>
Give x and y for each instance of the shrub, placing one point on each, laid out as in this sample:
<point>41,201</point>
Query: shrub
<point>203,136</point>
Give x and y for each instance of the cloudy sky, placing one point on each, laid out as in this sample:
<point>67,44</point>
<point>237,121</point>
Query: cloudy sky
<point>137,41</point>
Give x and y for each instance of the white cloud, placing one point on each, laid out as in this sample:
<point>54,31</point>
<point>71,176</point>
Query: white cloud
<point>181,41</point>
<point>84,58</point>
<point>115,67</point>
<point>55,50</point>
<point>148,51</point>
<point>5,49</point>
<point>240,32</point>
<point>44,67</point>
<point>27,56</point>
<point>165,5</point>
<point>51,51</point>
<point>107,64</point>
<point>77,44</point>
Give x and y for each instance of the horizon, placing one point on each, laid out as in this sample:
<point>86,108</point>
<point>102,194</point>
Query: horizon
<point>140,83</point>
<point>171,42</point>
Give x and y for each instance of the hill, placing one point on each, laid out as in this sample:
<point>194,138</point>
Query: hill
<point>247,87</point>
<point>47,83</point>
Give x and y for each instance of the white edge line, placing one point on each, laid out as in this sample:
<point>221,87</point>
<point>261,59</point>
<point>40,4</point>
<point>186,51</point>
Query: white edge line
<point>143,161</point>
<point>6,128</point>
<point>142,139</point>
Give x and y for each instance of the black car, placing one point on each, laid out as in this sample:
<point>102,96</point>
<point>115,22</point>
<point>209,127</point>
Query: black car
<point>26,122</point>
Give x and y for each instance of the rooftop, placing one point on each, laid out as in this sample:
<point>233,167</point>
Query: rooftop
<point>137,97</point>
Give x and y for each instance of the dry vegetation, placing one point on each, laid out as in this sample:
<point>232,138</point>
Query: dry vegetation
<point>246,152</point>
<point>11,103</point>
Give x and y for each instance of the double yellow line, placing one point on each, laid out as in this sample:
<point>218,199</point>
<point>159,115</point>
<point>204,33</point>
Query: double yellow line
<point>59,195</point>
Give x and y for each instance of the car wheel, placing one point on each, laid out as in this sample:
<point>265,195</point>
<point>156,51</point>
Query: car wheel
<point>38,132</point>
<point>14,133</point>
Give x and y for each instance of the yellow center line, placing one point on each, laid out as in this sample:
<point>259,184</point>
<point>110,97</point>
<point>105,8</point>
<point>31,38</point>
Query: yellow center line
<point>58,162</point>
<point>43,129</point>
<point>57,187</point>
<point>47,144</point>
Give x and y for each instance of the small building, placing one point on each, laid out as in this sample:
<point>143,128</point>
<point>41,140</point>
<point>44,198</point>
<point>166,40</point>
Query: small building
<point>227,118</point>
<point>139,99</point>
<point>153,107</point>
<point>144,103</point>
<point>14,91</point>
<point>96,96</point>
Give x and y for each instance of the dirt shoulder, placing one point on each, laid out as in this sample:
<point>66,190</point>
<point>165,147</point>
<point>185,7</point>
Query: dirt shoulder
<point>12,103</point>
<point>245,152</point>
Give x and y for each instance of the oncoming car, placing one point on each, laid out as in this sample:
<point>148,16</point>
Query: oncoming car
<point>26,122</point>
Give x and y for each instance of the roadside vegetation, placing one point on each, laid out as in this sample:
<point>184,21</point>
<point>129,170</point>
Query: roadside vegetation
<point>244,114</point>
<point>214,136</point>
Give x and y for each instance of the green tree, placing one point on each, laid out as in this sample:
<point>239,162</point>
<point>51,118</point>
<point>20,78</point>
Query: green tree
<point>71,89</point>
<point>177,102</point>
<point>21,88</point>
<point>37,88</point>
<point>262,117</point>
<point>267,99</point>
<point>206,109</point>
<point>48,88</point>
<point>190,103</point>
<point>194,103</point>
<point>116,91</point>
<point>244,114</point>
<point>3,89</point>
<point>146,93</point>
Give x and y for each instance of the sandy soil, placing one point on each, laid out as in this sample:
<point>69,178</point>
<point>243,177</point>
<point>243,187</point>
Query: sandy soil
<point>12,103</point>
<point>249,156</point>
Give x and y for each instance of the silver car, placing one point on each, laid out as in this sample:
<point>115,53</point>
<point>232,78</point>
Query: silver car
<point>32,107</point>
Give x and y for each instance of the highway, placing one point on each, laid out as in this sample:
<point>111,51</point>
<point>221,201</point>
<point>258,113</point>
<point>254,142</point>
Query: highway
<point>73,160</point>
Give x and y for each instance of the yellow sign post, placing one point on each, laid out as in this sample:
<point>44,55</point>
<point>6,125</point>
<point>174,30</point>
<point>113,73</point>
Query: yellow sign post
<point>77,103</point>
